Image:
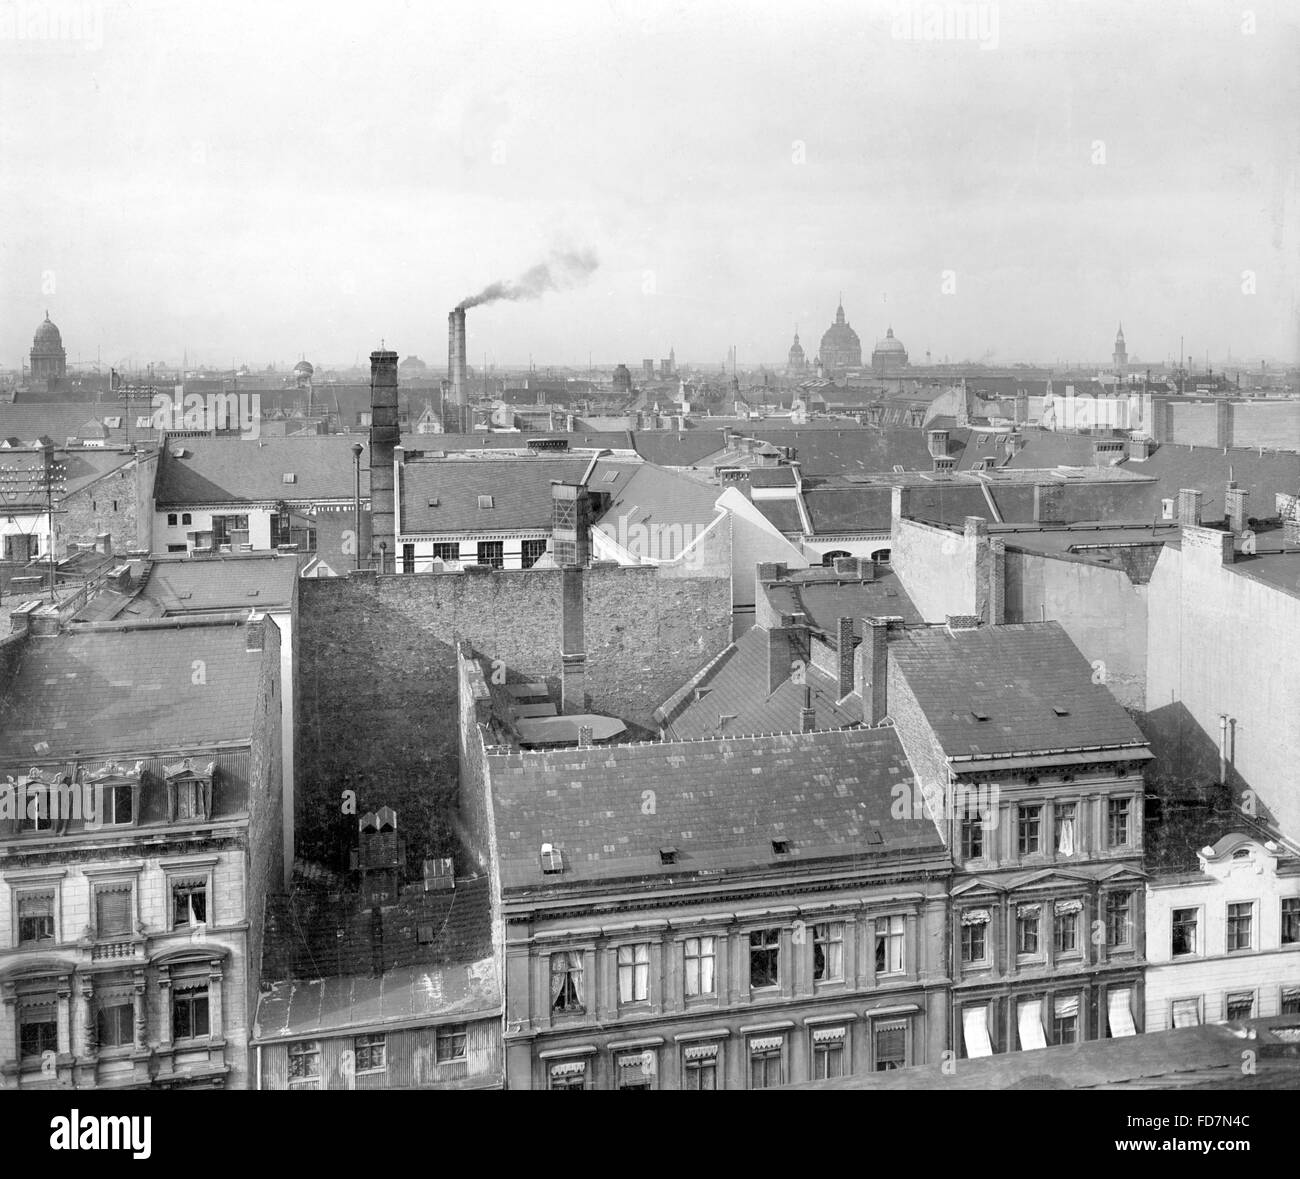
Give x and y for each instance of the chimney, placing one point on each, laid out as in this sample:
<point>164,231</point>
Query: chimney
<point>1022,407</point>
<point>1234,506</point>
<point>1015,442</point>
<point>872,663</point>
<point>1189,507</point>
<point>938,440</point>
<point>573,644</point>
<point>784,645</point>
<point>900,506</point>
<point>844,642</point>
<point>383,444</point>
<point>975,526</point>
<point>1209,546</point>
<point>104,543</point>
<point>1048,508</point>
<point>570,523</point>
<point>1140,448</point>
<point>457,370</point>
<point>1223,422</point>
<point>255,638</point>
<point>807,714</point>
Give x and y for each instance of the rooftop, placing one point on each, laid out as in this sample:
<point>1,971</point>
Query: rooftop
<point>720,806</point>
<point>1022,689</point>
<point>824,597</point>
<point>246,471</point>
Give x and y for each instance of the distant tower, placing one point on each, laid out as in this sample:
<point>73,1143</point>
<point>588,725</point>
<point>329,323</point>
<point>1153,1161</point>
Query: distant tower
<point>796,362</point>
<point>1120,358</point>
<point>49,360</point>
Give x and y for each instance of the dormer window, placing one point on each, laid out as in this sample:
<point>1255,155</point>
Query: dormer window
<point>668,855</point>
<point>189,790</point>
<point>780,847</point>
<point>485,501</point>
<point>552,859</point>
<point>114,793</point>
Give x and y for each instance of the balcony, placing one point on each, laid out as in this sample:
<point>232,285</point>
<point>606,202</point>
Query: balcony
<point>117,951</point>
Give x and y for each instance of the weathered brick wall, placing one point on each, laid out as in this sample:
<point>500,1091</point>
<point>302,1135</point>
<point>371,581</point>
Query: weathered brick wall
<point>110,504</point>
<point>377,683</point>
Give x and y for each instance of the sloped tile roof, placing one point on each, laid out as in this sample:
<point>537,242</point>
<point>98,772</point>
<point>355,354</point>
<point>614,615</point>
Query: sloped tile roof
<point>783,514</point>
<point>1016,675</point>
<point>520,488</point>
<point>188,585</point>
<point>731,698</point>
<point>825,598</point>
<point>245,470</point>
<point>656,497</point>
<point>124,689</point>
<point>719,803</point>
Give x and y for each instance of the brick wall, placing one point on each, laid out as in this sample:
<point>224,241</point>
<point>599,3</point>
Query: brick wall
<point>110,504</point>
<point>377,683</point>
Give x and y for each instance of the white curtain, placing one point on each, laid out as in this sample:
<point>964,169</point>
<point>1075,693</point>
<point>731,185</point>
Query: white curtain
<point>1121,1014</point>
<point>975,1028</point>
<point>1067,1006</point>
<point>1031,1024</point>
<point>1186,1013</point>
<point>1065,835</point>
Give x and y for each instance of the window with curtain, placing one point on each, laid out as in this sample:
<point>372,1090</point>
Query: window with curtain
<point>1290,920</point>
<point>975,1031</point>
<point>1065,925</point>
<point>635,1070</point>
<point>700,1066</point>
<point>1239,1005</point>
<point>1185,1013</point>
<point>634,973</point>
<point>890,935</point>
<point>828,951</point>
<point>190,901</point>
<point>1290,1004</point>
<point>1029,1021</point>
<point>1065,1019</point>
<point>828,1053</point>
<point>304,1063</point>
<point>566,981</point>
<point>1120,1012</point>
<point>1119,918</point>
<point>189,1010</point>
<point>701,960</point>
<point>113,910</point>
<point>35,917</point>
<point>571,1074</point>
<point>765,1062</point>
<point>1028,918</point>
<point>1184,926</point>
<point>1066,814</point>
<point>974,935</point>
<point>891,1045</point>
<point>1240,926</point>
<point>38,1028</point>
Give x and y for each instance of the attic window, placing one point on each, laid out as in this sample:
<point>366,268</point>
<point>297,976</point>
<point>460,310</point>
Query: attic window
<point>780,847</point>
<point>1242,853</point>
<point>611,476</point>
<point>485,501</point>
<point>290,477</point>
<point>668,855</point>
<point>978,715</point>
<point>1060,711</point>
<point>898,468</point>
<point>552,859</point>
<point>433,503</point>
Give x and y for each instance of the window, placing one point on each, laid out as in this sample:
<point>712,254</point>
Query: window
<point>828,951</point>
<point>38,1030</point>
<point>1029,1023</point>
<point>635,1070</point>
<point>1119,1011</point>
<point>492,553</point>
<point>765,1062</point>
<point>189,1010</point>
<point>566,981</point>
<point>408,558</point>
<point>228,529</point>
<point>1240,923</point>
<point>1117,813</point>
<point>1027,920</point>
<point>889,945</point>
<point>176,548</point>
<point>634,973</point>
<point>186,518</point>
<point>1290,1004</point>
<point>974,943</point>
<point>533,550</point>
<point>701,964</point>
<point>1119,918</point>
<point>1065,1020</point>
<point>113,910</point>
<point>1239,1005</point>
<point>1290,920</point>
<point>452,1042</point>
<point>115,1023</point>
<point>38,814</point>
<point>304,1064</point>
<point>828,1053</point>
<point>371,1053</point>
<point>975,1031</point>
<point>764,957</point>
<point>35,918</point>
<point>891,1045</point>
<point>572,1074</point>
<point>972,836</point>
<point>1185,1013</point>
<point>1029,820</point>
<point>171,519</point>
<point>1066,818</point>
<point>116,804</point>
<point>700,1066</point>
<point>446,550</point>
<point>1184,931</point>
<point>190,902</point>
<point>1065,928</point>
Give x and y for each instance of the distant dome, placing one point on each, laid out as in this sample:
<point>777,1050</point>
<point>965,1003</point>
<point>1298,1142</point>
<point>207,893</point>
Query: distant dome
<point>889,344</point>
<point>888,353</point>
<point>797,361</point>
<point>840,347</point>
<point>47,337</point>
<point>304,368</point>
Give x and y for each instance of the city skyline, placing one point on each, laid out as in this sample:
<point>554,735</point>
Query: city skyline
<point>1003,192</point>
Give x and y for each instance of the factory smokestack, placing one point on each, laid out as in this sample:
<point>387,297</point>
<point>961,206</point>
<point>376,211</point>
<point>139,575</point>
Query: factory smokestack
<point>457,374</point>
<point>383,442</point>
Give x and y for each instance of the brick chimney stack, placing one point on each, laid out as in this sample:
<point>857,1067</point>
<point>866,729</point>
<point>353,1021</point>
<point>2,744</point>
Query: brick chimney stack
<point>383,445</point>
<point>1234,507</point>
<point>1189,507</point>
<point>872,665</point>
<point>457,372</point>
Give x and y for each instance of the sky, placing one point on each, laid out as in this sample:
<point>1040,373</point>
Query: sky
<point>240,182</point>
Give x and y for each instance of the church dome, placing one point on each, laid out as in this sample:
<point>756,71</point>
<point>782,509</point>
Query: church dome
<point>890,344</point>
<point>304,368</point>
<point>796,355</point>
<point>888,353</point>
<point>840,346</point>
<point>47,337</point>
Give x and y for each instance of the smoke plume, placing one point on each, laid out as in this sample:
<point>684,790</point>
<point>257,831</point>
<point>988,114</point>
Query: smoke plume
<point>561,271</point>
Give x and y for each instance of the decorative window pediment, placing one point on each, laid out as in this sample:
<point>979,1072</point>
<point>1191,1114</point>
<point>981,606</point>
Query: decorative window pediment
<point>189,789</point>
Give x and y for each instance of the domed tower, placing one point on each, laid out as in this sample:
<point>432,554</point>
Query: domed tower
<point>1120,358</point>
<point>49,360</point>
<point>888,354</point>
<point>797,362</point>
<point>303,373</point>
<point>840,347</point>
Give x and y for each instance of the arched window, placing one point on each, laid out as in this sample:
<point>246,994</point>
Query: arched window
<point>881,556</point>
<point>828,559</point>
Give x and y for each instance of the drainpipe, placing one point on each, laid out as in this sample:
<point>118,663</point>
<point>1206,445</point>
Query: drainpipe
<point>1223,748</point>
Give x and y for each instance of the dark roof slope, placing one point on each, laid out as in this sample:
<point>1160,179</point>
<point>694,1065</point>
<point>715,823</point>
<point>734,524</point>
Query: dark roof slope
<point>189,585</point>
<point>246,470</point>
<point>1016,676</point>
<point>719,803</point>
<point>825,597</point>
<point>442,495</point>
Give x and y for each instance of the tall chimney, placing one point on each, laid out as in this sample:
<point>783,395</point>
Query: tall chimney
<point>457,372</point>
<point>573,643</point>
<point>1189,507</point>
<point>383,443</point>
<point>872,661</point>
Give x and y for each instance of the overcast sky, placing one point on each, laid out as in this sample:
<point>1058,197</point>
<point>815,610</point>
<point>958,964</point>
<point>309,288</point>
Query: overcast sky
<point>252,182</point>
